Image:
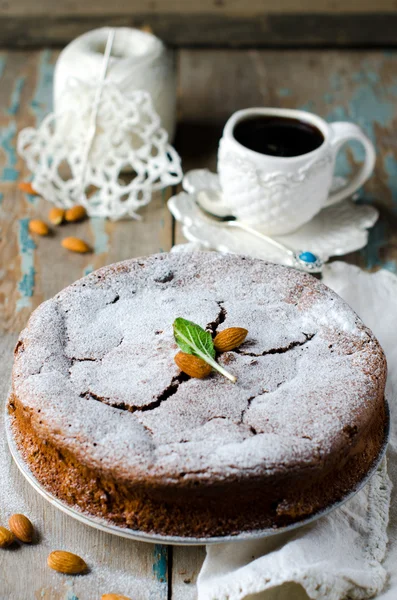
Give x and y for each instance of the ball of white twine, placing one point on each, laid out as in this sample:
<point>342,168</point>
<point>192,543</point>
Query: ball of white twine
<point>107,152</point>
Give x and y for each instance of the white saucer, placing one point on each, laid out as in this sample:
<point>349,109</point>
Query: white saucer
<point>335,231</point>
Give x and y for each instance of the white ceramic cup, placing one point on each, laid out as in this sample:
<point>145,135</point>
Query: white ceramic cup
<point>280,194</point>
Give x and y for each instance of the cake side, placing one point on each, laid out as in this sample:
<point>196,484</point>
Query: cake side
<point>95,384</point>
<point>214,509</point>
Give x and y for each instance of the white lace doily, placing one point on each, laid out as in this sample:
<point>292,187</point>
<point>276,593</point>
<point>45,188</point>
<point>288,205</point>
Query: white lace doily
<point>129,158</point>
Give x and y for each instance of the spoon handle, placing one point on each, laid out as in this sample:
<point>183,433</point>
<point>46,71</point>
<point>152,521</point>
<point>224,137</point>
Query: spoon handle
<point>261,236</point>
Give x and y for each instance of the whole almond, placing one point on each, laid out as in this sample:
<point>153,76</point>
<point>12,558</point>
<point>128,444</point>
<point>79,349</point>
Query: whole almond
<point>114,597</point>
<point>26,186</point>
<point>6,537</point>
<point>75,245</point>
<point>192,365</point>
<point>39,227</point>
<point>56,215</point>
<point>66,562</point>
<point>76,213</point>
<point>21,527</point>
<point>230,338</point>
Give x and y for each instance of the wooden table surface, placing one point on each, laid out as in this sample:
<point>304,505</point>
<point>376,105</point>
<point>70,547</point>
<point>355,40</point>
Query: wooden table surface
<point>339,85</point>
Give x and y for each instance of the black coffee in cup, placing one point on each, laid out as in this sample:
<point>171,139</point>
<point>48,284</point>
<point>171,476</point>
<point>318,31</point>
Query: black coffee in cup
<point>277,136</point>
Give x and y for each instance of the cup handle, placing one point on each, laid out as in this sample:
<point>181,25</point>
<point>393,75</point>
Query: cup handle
<point>342,132</point>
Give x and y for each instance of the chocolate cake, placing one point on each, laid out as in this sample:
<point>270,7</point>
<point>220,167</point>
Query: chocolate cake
<point>108,423</point>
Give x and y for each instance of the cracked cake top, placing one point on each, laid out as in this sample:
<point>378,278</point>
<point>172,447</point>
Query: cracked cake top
<point>95,368</point>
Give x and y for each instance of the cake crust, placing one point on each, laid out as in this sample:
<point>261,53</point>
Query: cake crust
<point>108,423</point>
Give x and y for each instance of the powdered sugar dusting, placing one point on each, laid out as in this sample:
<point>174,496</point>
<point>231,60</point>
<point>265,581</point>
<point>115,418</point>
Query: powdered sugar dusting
<point>95,367</point>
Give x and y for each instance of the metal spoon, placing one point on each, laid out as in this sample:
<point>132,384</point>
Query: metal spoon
<point>301,259</point>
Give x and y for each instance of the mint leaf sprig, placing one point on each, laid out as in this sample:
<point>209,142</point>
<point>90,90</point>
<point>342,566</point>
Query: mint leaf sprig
<point>193,339</point>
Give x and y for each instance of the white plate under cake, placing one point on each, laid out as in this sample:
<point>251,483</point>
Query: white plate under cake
<point>108,423</point>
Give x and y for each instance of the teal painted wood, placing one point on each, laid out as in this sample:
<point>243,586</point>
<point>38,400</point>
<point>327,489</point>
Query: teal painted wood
<point>10,114</point>
<point>16,95</point>
<point>367,96</point>
<point>361,87</point>
<point>41,103</point>
<point>160,569</point>
<point>26,250</point>
<point>356,86</point>
<point>101,237</point>
<point>367,103</point>
<point>7,135</point>
<point>7,144</point>
<point>88,269</point>
<point>160,563</point>
<point>39,268</point>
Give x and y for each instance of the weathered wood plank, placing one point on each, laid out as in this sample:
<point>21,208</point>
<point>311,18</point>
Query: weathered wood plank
<point>31,271</point>
<point>24,95</point>
<point>210,23</point>
<point>338,85</point>
<point>36,268</point>
<point>186,566</point>
<point>356,86</point>
<point>227,7</point>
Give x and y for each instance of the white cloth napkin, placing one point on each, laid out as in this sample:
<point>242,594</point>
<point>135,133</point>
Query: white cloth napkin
<point>340,555</point>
